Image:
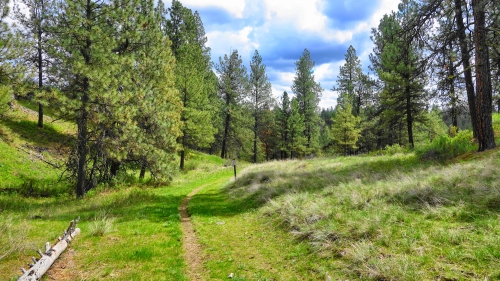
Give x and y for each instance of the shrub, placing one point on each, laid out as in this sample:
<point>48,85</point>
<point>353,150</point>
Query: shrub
<point>102,224</point>
<point>445,147</point>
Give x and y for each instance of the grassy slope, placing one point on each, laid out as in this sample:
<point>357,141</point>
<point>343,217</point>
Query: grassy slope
<point>143,239</point>
<point>359,218</point>
<point>22,143</point>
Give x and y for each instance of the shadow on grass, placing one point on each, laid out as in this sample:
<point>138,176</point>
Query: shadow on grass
<point>37,188</point>
<point>473,202</point>
<point>138,203</point>
<point>254,189</point>
<point>29,131</point>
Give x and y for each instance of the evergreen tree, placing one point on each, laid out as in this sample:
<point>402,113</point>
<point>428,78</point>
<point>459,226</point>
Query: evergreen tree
<point>6,39</point>
<point>351,82</point>
<point>283,112</point>
<point>260,96</point>
<point>308,94</point>
<point>192,69</point>
<point>399,64</point>
<point>485,133</point>
<point>232,91</point>
<point>107,64</point>
<point>345,130</point>
<point>35,28</point>
<point>297,142</point>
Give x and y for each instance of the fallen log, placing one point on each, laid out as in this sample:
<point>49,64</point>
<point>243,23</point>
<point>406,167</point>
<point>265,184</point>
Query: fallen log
<point>40,266</point>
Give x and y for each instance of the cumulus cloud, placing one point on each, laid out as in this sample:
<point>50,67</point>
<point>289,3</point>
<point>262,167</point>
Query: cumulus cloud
<point>282,29</point>
<point>235,7</point>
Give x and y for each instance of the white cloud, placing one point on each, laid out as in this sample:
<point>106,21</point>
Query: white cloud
<point>385,7</point>
<point>303,14</point>
<point>222,42</point>
<point>234,7</point>
<point>329,99</point>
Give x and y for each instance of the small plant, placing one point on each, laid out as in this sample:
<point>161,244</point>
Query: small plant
<point>394,149</point>
<point>453,131</point>
<point>445,147</point>
<point>102,224</point>
<point>12,238</point>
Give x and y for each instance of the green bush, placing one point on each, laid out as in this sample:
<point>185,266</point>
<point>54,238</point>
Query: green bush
<point>445,147</point>
<point>389,150</point>
<point>5,98</point>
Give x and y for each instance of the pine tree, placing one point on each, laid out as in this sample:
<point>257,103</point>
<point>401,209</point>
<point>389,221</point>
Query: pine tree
<point>192,70</point>
<point>114,86</point>
<point>308,94</point>
<point>399,64</point>
<point>232,91</point>
<point>351,82</point>
<point>297,142</point>
<point>485,133</point>
<point>260,96</point>
<point>283,112</point>
<point>6,40</point>
<point>345,130</point>
<point>35,28</point>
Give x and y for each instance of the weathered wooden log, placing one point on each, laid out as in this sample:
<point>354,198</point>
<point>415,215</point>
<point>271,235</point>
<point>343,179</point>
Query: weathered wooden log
<point>38,269</point>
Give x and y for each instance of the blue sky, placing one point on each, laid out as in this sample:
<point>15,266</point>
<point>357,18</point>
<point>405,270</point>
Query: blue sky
<point>281,29</point>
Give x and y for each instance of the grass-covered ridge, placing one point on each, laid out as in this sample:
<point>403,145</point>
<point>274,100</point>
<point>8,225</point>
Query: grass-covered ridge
<point>385,217</point>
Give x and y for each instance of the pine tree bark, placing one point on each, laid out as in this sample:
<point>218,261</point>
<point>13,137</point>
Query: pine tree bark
<point>82,147</point>
<point>451,81</point>
<point>82,118</point>
<point>486,137</point>
<point>255,139</point>
<point>40,76</point>
<point>469,86</point>
<point>226,134</point>
<point>143,170</point>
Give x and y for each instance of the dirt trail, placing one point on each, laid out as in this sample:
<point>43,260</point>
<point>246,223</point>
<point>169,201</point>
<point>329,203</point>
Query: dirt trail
<point>192,249</point>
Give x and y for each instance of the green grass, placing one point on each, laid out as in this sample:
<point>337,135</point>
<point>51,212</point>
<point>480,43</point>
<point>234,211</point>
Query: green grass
<point>24,147</point>
<point>375,218</point>
<point>388,217</point>
<point>142,238</point>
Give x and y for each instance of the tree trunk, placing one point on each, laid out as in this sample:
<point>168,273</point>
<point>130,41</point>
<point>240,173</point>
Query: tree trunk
<point>82,118</point>
<point>451,81</point>
<point>183,120</point>
<point>469,86</point>
<point>82,148</point>
<point>49,257</point>
<point>40,74</point>
<point>143,170</point>
<point>226,133</point>
<point>181,166</point>
<point>486,137</point>
<point>409,116</point>
<point>255,140</point>
<point>115,166</point>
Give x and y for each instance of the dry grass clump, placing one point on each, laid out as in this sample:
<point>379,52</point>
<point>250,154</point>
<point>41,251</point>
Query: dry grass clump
<point>13,236</point>
<point>393,218</point>
<point>102,224</point>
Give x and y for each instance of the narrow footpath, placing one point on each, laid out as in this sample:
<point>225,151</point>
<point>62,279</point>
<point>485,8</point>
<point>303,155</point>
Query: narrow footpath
<point>192,249</point>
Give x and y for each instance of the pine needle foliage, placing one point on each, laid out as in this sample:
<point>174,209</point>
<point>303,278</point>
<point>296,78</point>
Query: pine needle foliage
<point>119,85</point>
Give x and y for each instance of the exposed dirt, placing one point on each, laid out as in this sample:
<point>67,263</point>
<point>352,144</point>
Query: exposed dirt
<point>192,249</point>
<point>64,267</point>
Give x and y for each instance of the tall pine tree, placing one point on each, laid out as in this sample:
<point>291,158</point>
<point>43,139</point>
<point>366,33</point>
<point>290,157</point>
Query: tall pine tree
<point>260,97</point>
<point>308,94</point>
<point>192,70</point>
<point>232,91</point>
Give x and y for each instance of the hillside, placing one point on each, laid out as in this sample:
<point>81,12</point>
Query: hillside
<point>370,218</point>
<point>386,217</point>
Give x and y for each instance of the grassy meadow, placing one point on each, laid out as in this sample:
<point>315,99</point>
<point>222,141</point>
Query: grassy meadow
<point>370,217</point>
